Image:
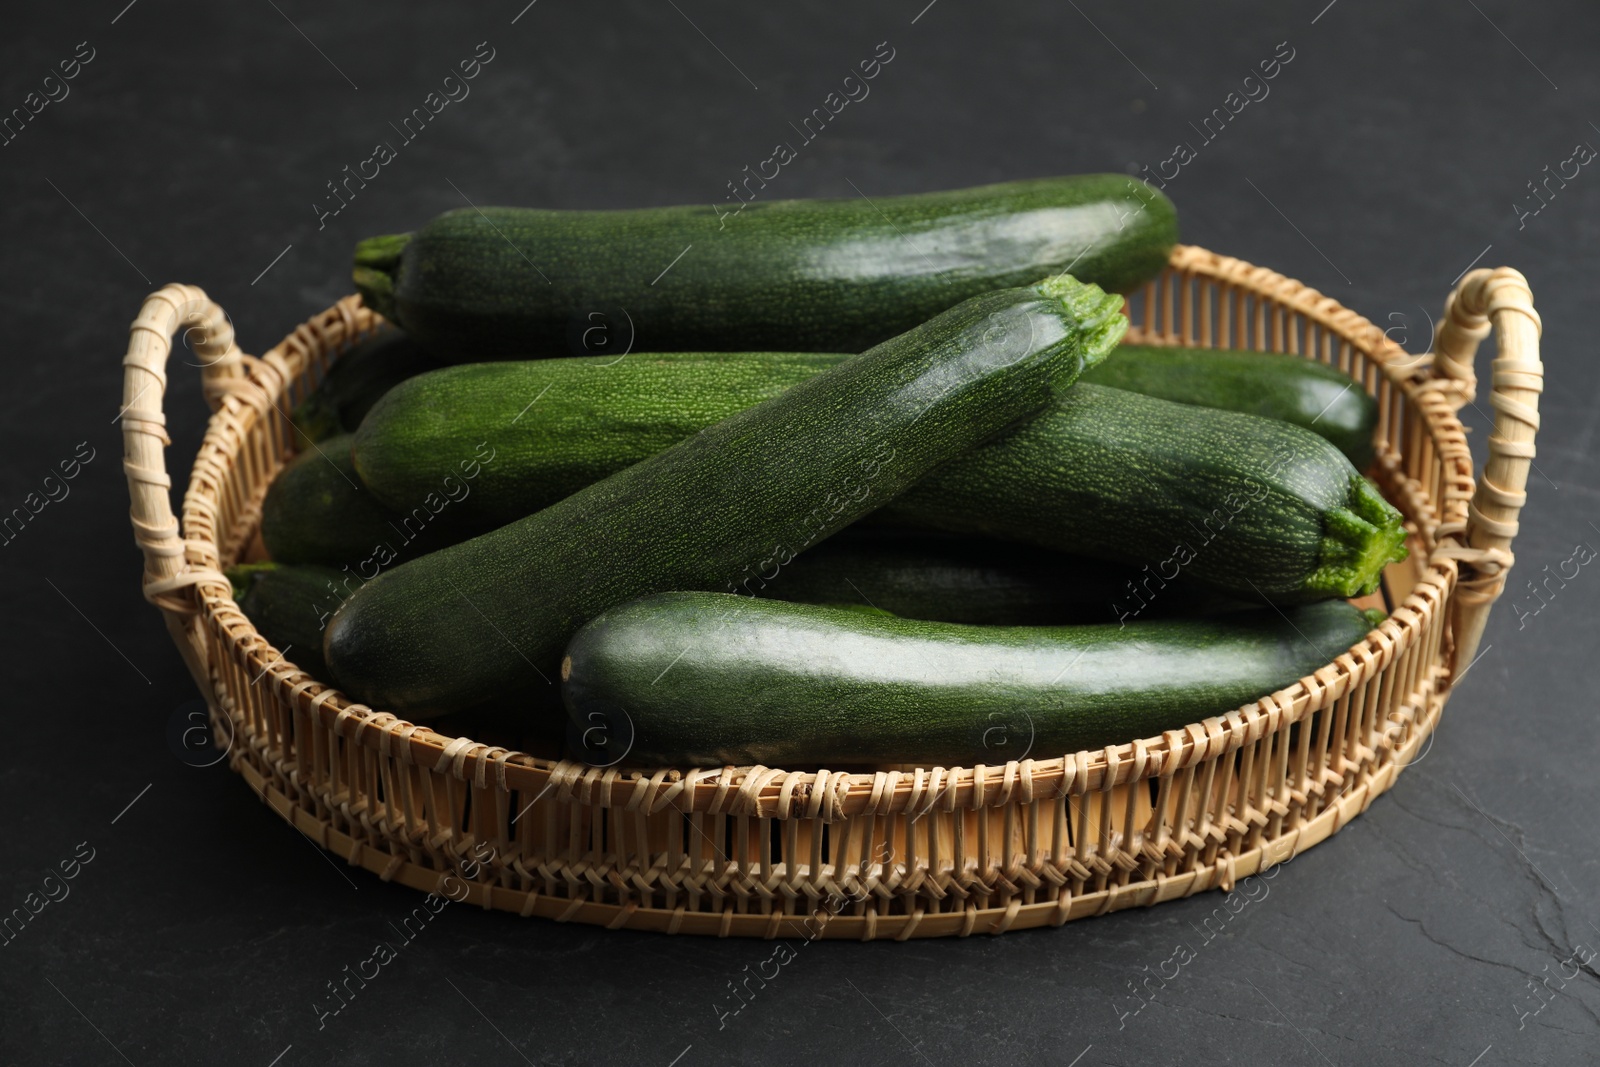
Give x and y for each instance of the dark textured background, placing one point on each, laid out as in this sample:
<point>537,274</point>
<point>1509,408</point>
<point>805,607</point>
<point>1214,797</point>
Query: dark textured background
<point>191,149</point>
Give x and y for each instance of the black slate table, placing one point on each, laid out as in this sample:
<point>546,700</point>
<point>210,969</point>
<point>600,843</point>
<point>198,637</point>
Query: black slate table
<point>199,142</point>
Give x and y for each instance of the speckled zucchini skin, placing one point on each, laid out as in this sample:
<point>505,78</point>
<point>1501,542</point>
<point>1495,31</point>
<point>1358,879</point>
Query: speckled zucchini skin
<point>1253,506</point>
<point>820,275</point>
<point>491,615</point>
<point>556,425</point>
<point>710,679</point>
<point>1103,473</point>
<point>1315,396</point>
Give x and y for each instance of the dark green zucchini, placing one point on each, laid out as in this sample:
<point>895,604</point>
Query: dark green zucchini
<point>1104,473</point>
<point>317,511</point>
<point>915,574</point>
<point>670,680</point>
<point>491,615</point>
<point>1320,398</point>
<point>557,425</point>
<point>355,381</point>
<point>1254,507</point>
<point>921,575</point>
<point>290,606</point>
<point>822,275</point>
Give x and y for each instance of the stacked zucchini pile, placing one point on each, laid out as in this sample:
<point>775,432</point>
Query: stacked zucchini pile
<point>873,482</point>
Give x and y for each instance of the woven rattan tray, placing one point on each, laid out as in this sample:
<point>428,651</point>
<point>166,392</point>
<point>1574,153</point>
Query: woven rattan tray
<point>899,853</point>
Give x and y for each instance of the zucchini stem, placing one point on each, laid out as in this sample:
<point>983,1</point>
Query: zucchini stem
<point>1359,540</point>
<point>1097,313</point>
<point>242,575</point>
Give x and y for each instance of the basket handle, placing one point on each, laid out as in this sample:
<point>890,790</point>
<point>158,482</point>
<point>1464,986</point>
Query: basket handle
<point>1499,299</point>
<point>167,579</point>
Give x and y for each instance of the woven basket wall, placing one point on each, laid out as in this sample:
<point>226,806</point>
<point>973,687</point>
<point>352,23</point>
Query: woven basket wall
<point>898,853</point>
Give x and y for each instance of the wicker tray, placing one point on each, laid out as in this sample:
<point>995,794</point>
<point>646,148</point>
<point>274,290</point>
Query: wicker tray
<point>759,851</point>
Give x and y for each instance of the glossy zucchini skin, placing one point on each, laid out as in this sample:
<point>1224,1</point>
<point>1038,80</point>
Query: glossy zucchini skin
<point>1311,395</point>
<point>668,681</point>
<point>822,275</point>
<point>1254,507</point>
<point>491,615</point>
<point>355,381</point>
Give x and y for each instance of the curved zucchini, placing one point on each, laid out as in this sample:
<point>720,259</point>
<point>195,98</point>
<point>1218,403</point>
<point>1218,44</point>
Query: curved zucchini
<point>824,275</point>
<point>1315,396</point>
<point>667,680</point>
<point>491,615</point>
<point>1254,507</point>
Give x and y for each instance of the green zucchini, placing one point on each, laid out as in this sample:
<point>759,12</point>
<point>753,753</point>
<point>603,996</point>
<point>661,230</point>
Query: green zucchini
<point>355,381</point>
<point>290,606</point>
<point>491,615</point>
<point>915,574</point>
<point>921,575</point>
<point>670,680</point>
<point>1320,398</point>
<point>1255,507</point>
<point>825,275</point>
<point>317,511</point>
<point>556,425</point>
<point>1104,473</point>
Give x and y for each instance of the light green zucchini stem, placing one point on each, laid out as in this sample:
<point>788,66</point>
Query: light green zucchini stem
<point>1097,313</point>
<point>1358,541</point>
